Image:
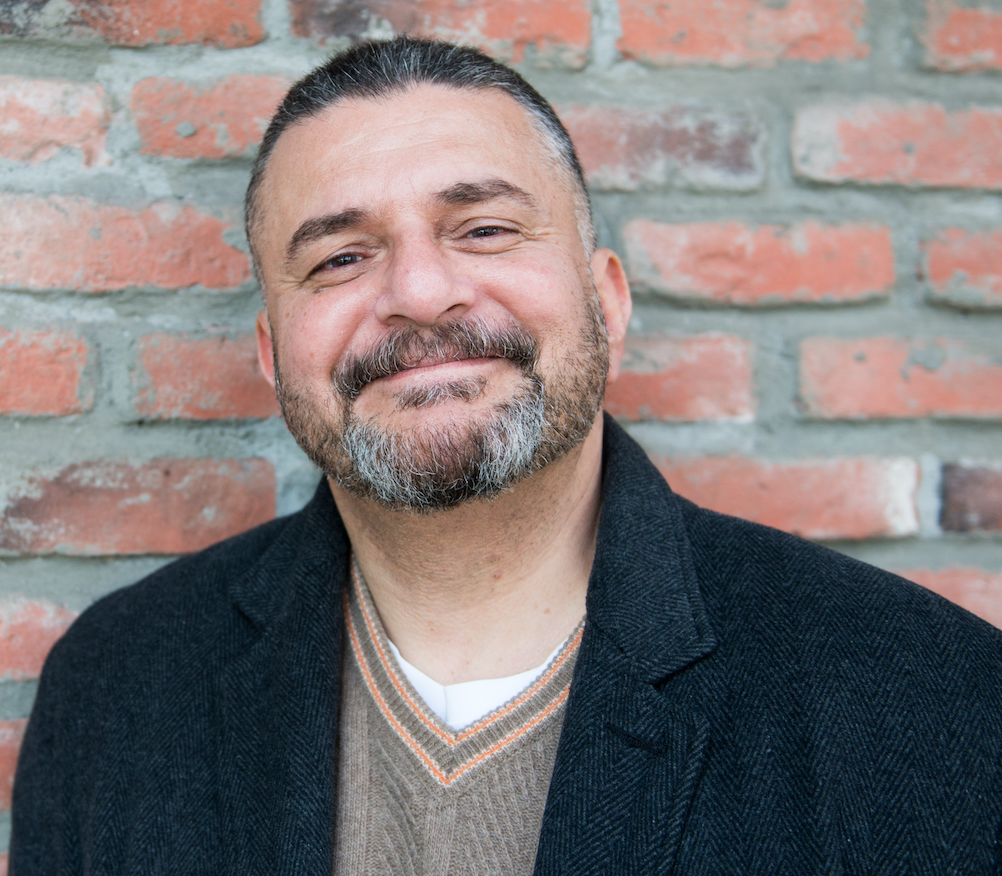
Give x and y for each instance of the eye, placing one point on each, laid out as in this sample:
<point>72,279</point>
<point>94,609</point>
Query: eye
<point>342,260</point>
<point>488,231</point>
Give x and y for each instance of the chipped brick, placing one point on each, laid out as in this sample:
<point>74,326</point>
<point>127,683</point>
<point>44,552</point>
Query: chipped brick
<point>702,377</point>
<point>847,498</point>
<point>732,263</point>
<point>71,242</point>
<point>166,506</point>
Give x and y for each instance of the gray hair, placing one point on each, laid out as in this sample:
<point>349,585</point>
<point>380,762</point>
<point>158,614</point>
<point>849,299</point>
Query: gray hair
<point>373,69</point>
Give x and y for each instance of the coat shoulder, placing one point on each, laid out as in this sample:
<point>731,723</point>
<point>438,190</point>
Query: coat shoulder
<point>759,582</point>
<point>185,604</point>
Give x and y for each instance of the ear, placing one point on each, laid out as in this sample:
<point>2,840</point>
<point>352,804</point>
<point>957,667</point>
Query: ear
<point>265,357</point>
<point>617,305</point>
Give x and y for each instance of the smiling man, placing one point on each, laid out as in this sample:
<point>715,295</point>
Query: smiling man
<point>495,642</point>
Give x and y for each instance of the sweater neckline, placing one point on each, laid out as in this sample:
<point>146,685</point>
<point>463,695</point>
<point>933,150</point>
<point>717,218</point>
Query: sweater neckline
<point>448,754</point>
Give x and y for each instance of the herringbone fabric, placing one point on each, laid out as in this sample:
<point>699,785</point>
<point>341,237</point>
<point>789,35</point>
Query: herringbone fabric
<point>743,702</point>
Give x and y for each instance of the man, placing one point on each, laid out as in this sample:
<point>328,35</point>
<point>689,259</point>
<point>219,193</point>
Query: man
<point>494,642</point>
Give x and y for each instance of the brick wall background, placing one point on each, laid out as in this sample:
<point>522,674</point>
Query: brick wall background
<point>808,195</point>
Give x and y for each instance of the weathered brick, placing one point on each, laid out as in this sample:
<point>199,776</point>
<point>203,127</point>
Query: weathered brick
<point>912,144</point>
<point>38,117</point>
<point>696,147</point>
<point>28,630</point>
<point>735,33</point>
<point>71,242</point>
<point>972,498</point>
<point>848,498</point>
<point>202,379</point>
<point>702,377</point>
<point>223,23</point>
<point>965,267</point>
<point>978,591</point>
<point>167,506</point>
<point>223,120</point>
<point>861,378</point>
<point>11,736</point>
<point>42,373</point>
<point>557,30</point>
<point>732,263</point>
<point>962,38</point>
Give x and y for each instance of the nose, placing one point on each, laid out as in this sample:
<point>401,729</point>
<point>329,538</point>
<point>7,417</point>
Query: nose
<point>422,285</point>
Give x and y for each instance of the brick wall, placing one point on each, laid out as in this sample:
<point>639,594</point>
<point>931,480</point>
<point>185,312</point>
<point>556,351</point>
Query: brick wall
<point>808,196</point>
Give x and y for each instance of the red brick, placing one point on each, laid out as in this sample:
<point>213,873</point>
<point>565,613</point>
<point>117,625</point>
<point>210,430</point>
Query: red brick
<point>962,39</point>
<point>167,506</point>
<point>861,378</point>
<point>965,267</point>
<point>818,498</point>
<point>911,144</point>
<point>70,242</point>
<point>735,33</point>
<point>557,30</point>
<point>972,498</point>
<point>692,146</point>
<point>705,377</point>
<point>28,630</point>
<point>11,735</point>
<point>978,591</point>
<point>223,120</point>
<point>222,23</point>
<point>731,263</point>
<point>38,117</point>
<point>203,379</point>
<point>42,373</point>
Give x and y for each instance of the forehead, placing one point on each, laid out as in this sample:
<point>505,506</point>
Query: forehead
<point>377,152</point>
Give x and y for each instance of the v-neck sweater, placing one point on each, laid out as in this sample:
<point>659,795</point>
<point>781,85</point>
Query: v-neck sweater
<point>417,797</point>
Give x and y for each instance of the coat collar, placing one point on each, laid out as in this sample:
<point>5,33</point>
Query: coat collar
<point>643,592</point>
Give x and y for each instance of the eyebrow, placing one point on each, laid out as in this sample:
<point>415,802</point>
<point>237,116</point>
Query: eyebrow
<point>465,193</point>
<point>323,226</point>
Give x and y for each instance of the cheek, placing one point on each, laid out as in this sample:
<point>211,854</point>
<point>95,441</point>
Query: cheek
<point>544,298</point>
<point>313,337</point>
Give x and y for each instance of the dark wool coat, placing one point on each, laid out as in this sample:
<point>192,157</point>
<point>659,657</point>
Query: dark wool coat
<point>744,703</point>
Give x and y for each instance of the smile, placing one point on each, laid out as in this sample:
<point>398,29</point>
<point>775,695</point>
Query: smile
<point>440,369</point>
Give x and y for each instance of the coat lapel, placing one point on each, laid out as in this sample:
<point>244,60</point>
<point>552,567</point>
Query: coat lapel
<point>278,703</point>
<point>632,747</point>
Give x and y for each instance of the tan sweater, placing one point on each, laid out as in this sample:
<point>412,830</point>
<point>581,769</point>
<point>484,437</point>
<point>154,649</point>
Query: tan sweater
<point>416,797</point>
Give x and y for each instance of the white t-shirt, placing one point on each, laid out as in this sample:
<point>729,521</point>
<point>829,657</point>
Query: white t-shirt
<point>459,705</point>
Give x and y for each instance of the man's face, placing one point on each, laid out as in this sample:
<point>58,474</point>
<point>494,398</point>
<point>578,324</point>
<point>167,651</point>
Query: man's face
<point>433,325</point>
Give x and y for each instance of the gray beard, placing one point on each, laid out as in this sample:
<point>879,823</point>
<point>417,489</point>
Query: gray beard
<point>427,469</point>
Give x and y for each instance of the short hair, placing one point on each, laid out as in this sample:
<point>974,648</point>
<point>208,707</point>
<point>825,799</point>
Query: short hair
<point>374,68</point>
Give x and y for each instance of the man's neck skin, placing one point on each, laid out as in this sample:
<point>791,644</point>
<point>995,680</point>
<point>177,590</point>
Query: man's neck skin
<point>490,588</point>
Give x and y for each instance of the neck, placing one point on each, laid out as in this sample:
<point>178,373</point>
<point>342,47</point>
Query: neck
<point>490,588</point>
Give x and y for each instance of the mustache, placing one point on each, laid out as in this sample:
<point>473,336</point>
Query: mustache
<point>409,347</point>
